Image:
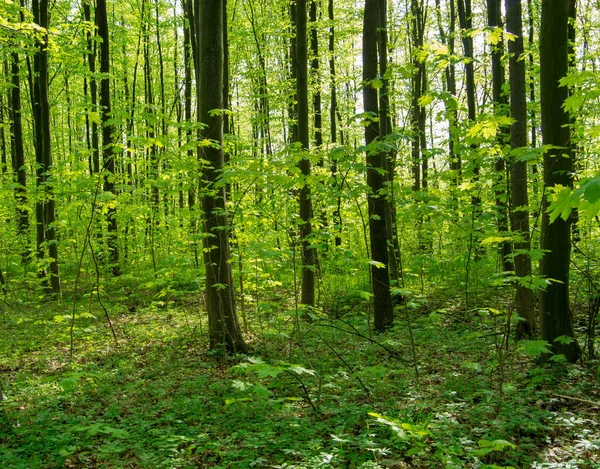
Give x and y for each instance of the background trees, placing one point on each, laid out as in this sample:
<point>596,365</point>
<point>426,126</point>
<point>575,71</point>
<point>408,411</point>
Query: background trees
<point>114,94</point>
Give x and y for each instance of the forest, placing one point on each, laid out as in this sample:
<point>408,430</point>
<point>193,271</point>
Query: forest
<point>299,234</point>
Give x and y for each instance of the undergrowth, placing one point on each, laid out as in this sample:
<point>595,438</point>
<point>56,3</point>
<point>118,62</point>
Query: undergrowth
<point>326,395</point>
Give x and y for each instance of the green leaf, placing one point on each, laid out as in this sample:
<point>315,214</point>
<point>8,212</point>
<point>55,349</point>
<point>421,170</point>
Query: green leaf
<point>301,370</point>
<point>268,371</point>
<point>564,339</point>
<point>535,348</point>
<point>262,391</point>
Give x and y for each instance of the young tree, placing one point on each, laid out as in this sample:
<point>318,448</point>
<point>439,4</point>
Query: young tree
<point>524,299</point>
<point>301,65</point>
<point>383,310</point>
<point>45,208</point>
<point>224,329</point>
<point>17,150</point>
<point>494,13</point>
<point>555,313</point>
<point>108,143</point>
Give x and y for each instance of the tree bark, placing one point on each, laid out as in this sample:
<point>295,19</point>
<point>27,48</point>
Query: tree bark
<point>224,329</point>
<point>494,13</point>
<point>108,139</point>
<point>555,313</point>
<point>383,309</point>
<point>308,252</point>
<point>45,209</point>
<point>524,299</point>
<point>18,153</point>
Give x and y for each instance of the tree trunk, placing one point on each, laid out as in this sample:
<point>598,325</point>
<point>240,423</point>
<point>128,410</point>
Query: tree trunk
<point>524,299</point>
<point>308,252</point>
<point>108,139</point>
<point>92,125</point>
<point>224,329</point>
<point>45,210</point>
<point>555,314</point>
<point>18,153</point>
<point>385,129</point>
<point>466,25</point>
<point>333,111</point>
<point>500,104</point>
<point>383,310</point>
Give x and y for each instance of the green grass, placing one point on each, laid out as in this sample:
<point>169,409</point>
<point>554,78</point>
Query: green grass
<point>158,398</point>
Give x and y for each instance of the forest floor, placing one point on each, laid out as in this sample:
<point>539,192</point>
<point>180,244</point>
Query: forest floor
<point>328,396</point>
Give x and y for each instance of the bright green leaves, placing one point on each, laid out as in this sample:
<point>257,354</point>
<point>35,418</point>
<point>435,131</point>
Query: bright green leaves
<point>586,198</point>
<point>584,86</point>
<point>487,127</point>
<point>487,446</point>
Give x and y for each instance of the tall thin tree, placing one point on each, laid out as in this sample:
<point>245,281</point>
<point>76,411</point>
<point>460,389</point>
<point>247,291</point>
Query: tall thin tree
<point>524,299</point>
<point>224,330</point>
<point>108,130</point>
<point>45,208</point>
<point>555,312</point>
<point>383,310</point>
<point>301,67</point>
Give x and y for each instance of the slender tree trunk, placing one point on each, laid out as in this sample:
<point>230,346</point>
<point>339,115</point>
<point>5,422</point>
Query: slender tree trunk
<point>3,152</point>
<point>385,123</point>
<point>494,13</point>
<point>45,209</point>
<point>383,310</point>
<point>524,299</point>
<point>301,66</point>
<point>555,313</point>
<point>333,110</point>
<point>224,329</point>
<point>18,153</point>
<point>92,124</point>
<point>466,24</point>
<point>108,130</point>
<point>447,38</point>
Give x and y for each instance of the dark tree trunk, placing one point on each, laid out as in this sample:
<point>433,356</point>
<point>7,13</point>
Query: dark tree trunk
<point>466,25</point>
<point>224,329</point>
<point>92,125</point>
<point>494,13</point>
<point>314,67</point>
<point>301,65</point>
<point>333,111</point>
<point>524,299</point>
<point>18,153</point>
<point>45,210</point>
<point>450,73</point>
<point>385,129</point>
<point>108,139</point>
<point>383,310</point>
<point>555,313</point>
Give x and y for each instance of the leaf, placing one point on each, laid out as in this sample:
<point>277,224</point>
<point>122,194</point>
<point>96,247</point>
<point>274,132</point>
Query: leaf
<point>494,36</point>
<point>301,370</point>
<point>262,391</point>
<point>535,348</point>
<point>68,384</point>
<point>266,371</point>
<point>564,339</point>
<point>377,264</point>
<point>239,385</point>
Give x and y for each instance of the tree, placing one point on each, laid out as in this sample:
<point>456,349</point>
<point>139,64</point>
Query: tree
<point>224,329</point>
<point>301,65</point>
<point>45,208</point>
<point>524,299</point>
<point>108,143</point>
<point>383,310</point>
<point>17,150</point>
<point>500,103</point>
<point>555,313</point>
